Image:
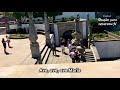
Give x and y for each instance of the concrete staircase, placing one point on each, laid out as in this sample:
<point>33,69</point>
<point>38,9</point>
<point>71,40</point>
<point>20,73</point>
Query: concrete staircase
<point>45,54</point>
<point>41,32</point>
<point>89,56</point>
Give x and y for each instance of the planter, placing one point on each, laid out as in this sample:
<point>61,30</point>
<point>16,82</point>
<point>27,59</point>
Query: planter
<point>18,36</point>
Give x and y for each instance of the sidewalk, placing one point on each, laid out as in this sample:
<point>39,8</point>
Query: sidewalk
<point>20,50</point>
<point>60,58</point>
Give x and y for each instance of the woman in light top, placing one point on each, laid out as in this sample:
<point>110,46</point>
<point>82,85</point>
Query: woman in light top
<point>8,41</point>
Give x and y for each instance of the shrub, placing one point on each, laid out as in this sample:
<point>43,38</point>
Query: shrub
<point>19,30</point>
<point>94,26</point>
<point>64,19</point>
<point>71,18</point>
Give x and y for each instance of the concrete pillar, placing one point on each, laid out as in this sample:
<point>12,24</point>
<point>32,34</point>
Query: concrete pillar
<point>47,31</point>
<point>77,24</point>
<point>87,25</point>
<point>78,30</point>
<point>34,45</point>
<point>89,32</point>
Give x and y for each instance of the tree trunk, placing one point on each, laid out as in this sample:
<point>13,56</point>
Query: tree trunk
<point>34,45</point>
<point>47,30</point>
<point>6,24</point>
<point>7,27</point>
<point>19,24</point>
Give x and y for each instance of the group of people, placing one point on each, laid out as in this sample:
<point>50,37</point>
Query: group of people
<point>4,44</point>
<point>73,52</point>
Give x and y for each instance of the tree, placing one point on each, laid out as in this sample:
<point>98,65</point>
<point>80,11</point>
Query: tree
<point>49,14</point>
<point>34,45</point>
<point>54,14</point>
<point>18,16</point>
<point>7,14</point>
<point>71,18</point>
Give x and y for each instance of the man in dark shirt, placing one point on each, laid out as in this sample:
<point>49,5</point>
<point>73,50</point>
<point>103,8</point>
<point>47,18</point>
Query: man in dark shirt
<point>54,48</point>
<point>4,45</point>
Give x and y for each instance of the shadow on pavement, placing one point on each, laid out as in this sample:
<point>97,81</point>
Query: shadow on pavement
<point>57,55</point>
<point>58,50</point>
<point>65,53</point>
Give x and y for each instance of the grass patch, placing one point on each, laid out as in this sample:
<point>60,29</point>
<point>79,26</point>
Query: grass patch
<point>101,36</point>
<point>19,36</point>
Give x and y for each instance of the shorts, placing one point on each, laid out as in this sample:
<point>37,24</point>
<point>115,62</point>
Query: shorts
<point>4,45</point>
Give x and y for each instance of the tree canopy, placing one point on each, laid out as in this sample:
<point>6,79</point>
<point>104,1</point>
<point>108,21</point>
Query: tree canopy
<point>18,15</point>
<point>41,14</point>
<point>9,14</point>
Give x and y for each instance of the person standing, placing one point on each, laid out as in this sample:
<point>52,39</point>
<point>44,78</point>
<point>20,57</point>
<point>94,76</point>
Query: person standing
<point>79,56</point>
<point>4,45</point>
<point>62,45</point>
<point>54,49</point>
<point>8,41</point>
<point>68,42</point>
<point>69,47</point>
<point>73,47</point>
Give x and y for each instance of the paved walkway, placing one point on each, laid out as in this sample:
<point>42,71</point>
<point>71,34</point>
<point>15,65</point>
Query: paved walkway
<point>60,58</point>
<point>19,52</point>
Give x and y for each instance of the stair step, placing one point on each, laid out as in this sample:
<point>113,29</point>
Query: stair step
<point>46,56</point>
<point>40,30</point>
<point>91,61</point>
<point>89,53</point>
<point>42,48</point>
<point>89,56</point>
<point>44,52</point>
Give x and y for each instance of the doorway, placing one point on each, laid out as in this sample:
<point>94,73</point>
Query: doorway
<point>67,35</point>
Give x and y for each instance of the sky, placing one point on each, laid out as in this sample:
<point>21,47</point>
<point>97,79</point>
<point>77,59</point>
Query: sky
<point>82,14</point>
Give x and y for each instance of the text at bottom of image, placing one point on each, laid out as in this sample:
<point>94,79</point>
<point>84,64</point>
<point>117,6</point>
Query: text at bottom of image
<point>55,70</point>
